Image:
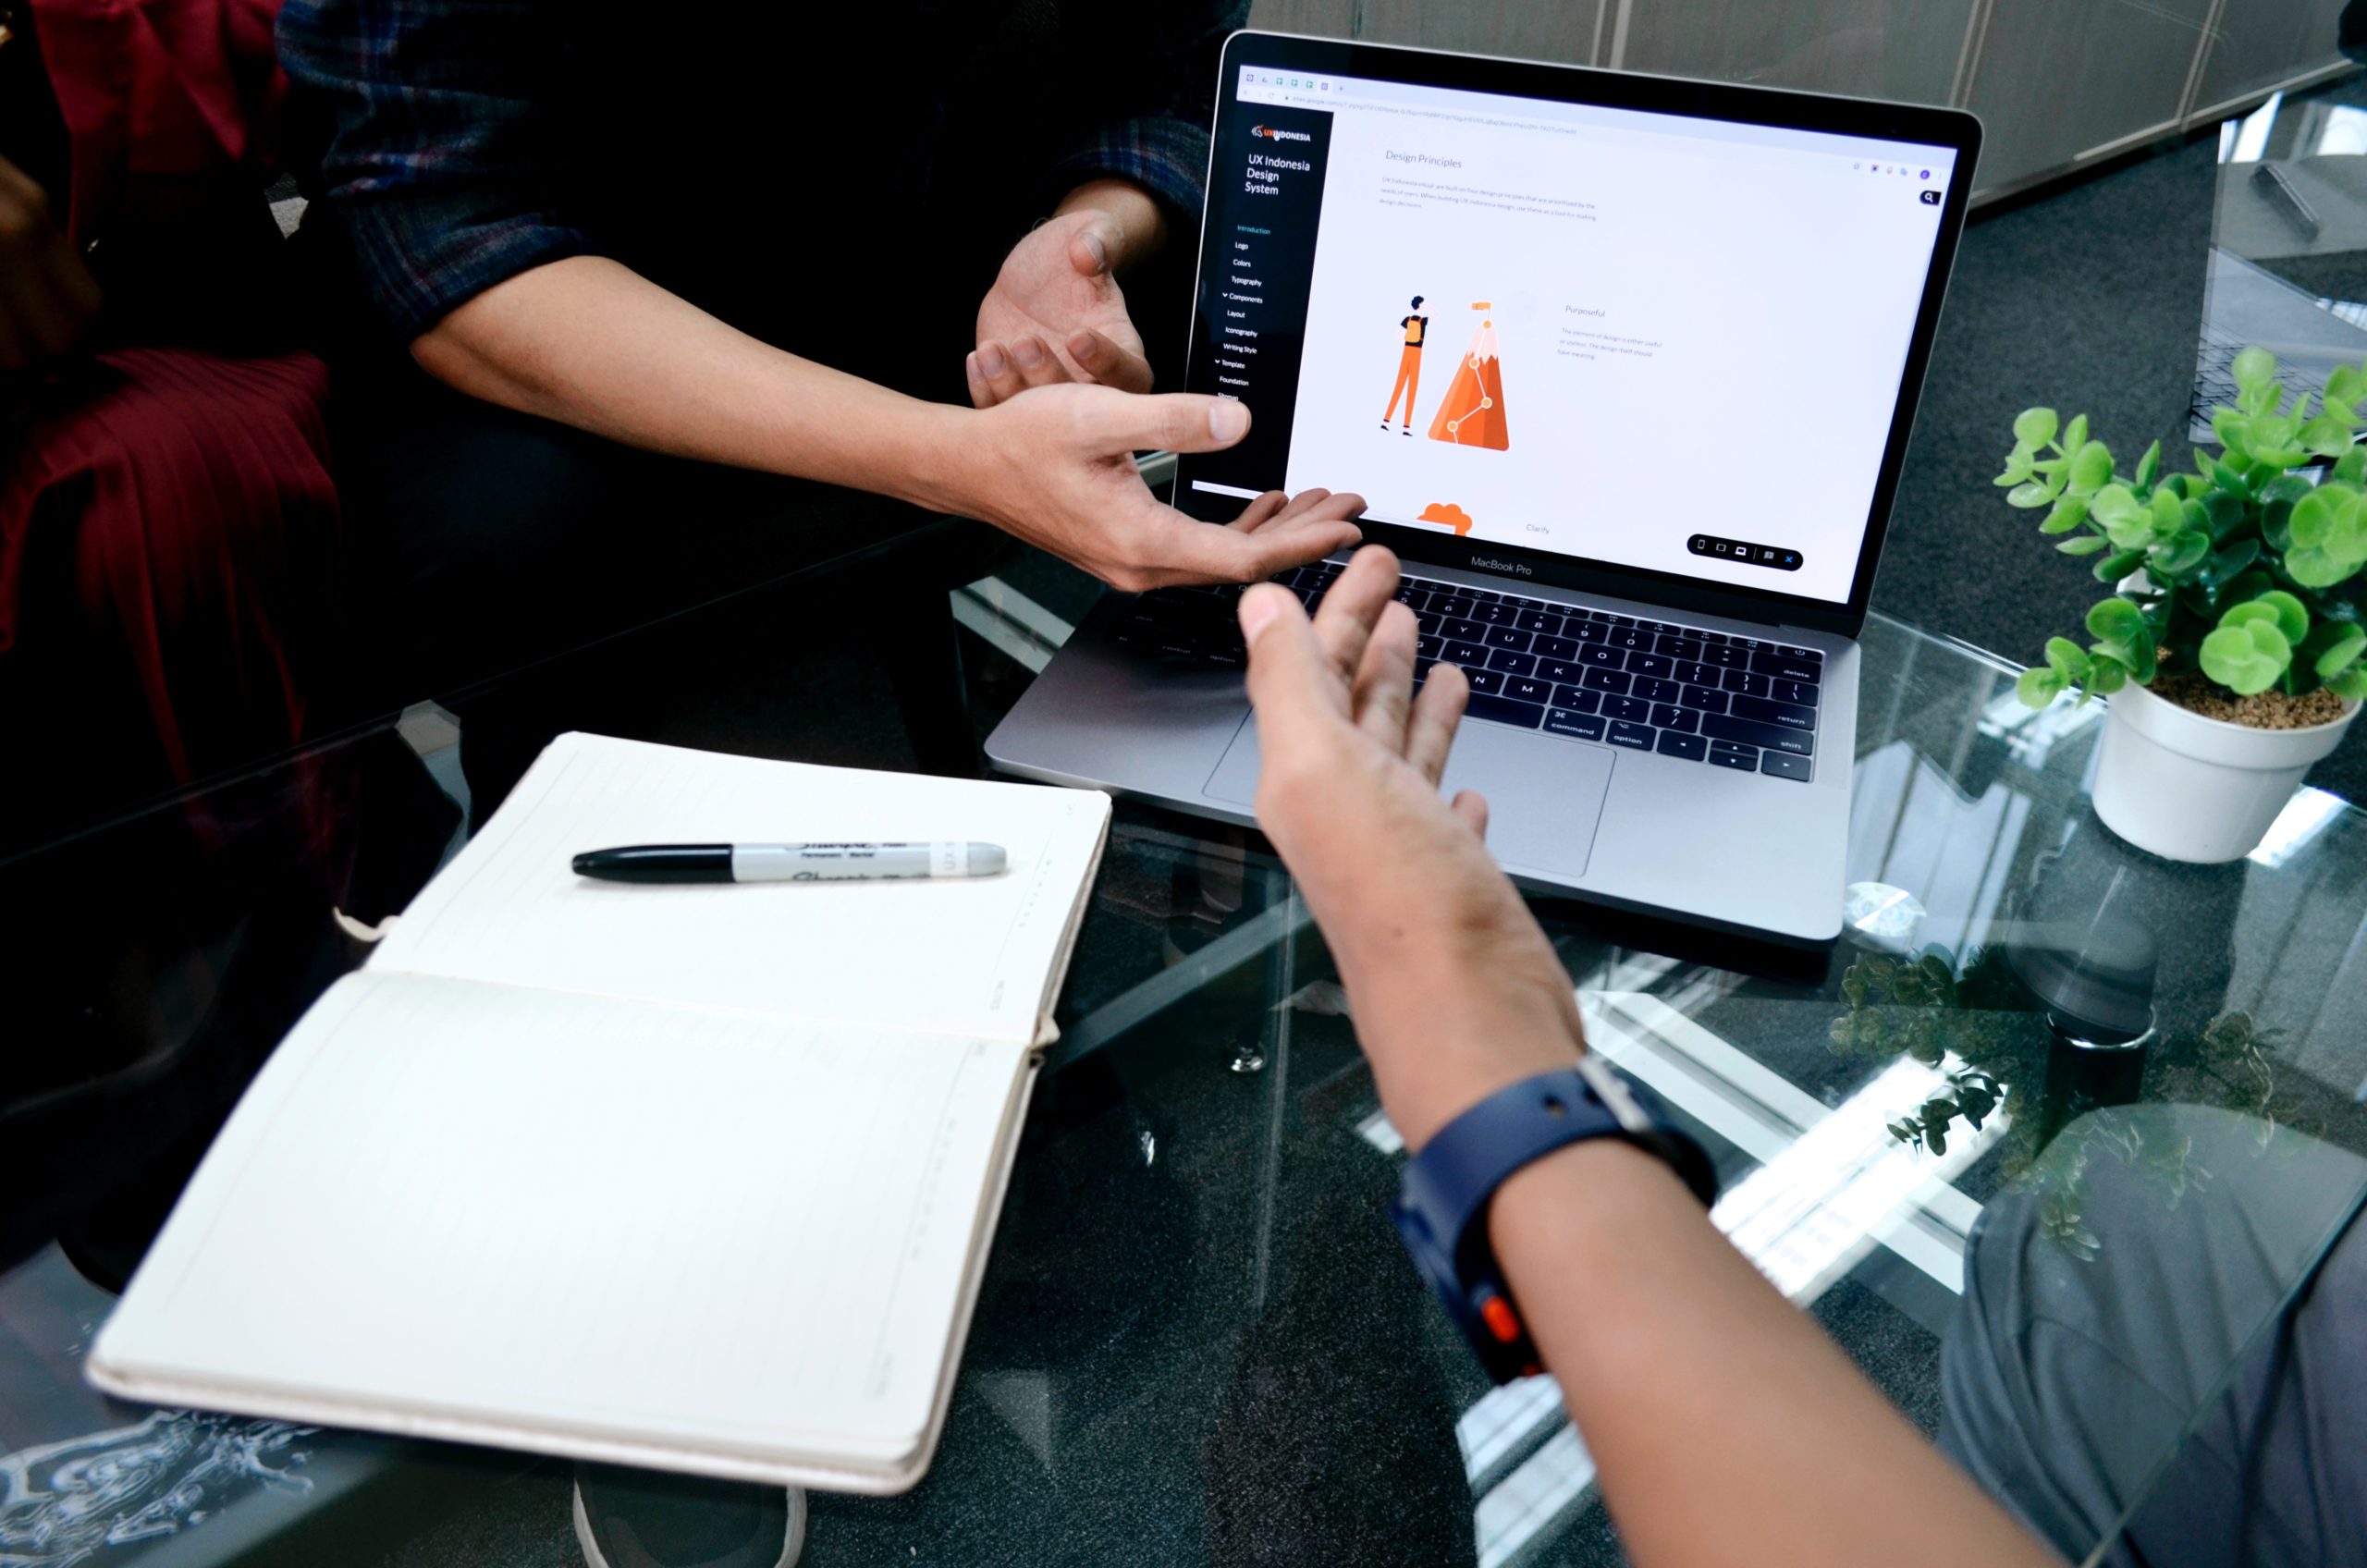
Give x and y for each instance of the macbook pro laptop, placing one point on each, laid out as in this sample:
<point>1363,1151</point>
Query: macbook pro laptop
<point>1624,367</point>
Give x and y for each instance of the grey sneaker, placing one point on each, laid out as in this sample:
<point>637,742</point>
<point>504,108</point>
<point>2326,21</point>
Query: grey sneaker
<point>652,1519</point>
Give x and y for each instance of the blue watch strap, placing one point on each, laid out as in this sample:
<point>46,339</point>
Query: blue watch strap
<point>1442,1200</point>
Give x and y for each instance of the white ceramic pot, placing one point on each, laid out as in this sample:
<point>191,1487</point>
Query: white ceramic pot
<point>2200,789</point>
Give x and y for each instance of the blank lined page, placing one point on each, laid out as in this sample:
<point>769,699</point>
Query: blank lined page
<point>600,1216</point>
<point>970,956</point>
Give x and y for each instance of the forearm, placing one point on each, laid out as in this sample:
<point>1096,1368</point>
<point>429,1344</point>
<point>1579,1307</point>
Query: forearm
<point>589,343</point>
<point>1725,1427</point>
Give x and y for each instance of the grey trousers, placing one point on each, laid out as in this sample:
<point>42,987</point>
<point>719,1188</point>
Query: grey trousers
<point>2167,1356</point>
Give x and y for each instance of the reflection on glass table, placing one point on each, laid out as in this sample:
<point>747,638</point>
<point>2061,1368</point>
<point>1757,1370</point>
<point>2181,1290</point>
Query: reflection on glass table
<point>2287,271</point>
<point>2052,1111</point>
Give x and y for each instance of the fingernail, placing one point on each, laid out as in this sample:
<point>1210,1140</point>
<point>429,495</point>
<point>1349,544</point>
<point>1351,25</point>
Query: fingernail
<point>1028,352</point>
<point>1229,420</point>
<point>1258,607</point>
<point>1099,250</point>
<point>990,361</point>
<point>1084,346</point>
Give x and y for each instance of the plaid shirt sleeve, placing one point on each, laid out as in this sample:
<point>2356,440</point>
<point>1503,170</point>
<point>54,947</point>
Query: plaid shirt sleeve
<point>1156,130</point>
<point>434,163</point>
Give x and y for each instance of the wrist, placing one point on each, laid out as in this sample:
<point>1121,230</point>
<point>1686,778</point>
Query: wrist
<point>932,461</point>
<point>1438,1049</point>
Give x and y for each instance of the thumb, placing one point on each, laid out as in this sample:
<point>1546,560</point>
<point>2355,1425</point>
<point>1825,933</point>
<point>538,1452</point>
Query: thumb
<point>1291,684</point>
<point>1093,245</point>
<point>1174,421</point>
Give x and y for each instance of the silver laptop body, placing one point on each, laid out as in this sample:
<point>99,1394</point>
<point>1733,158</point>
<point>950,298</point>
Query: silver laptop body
<point>1639,725</point>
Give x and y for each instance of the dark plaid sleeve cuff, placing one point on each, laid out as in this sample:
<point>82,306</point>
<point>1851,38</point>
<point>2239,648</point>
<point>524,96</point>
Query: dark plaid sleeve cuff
<point>421,266</point>
<point>1165,156</point>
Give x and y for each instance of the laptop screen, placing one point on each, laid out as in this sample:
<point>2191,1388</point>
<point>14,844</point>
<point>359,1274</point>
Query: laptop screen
<point>1630,339</point>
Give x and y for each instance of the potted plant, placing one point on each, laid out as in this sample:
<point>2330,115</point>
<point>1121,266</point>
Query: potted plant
<point>2232,644</point>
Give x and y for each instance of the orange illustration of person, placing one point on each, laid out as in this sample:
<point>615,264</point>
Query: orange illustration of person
<point>1409,366</point>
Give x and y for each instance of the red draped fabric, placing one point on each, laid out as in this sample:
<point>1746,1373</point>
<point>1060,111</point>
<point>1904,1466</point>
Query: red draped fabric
<point>167,523</point>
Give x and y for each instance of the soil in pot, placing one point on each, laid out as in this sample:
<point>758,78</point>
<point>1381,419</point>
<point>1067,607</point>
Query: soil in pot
<point>2261,710</point>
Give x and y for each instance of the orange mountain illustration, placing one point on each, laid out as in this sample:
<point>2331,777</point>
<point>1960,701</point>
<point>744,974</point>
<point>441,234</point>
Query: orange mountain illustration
<point>1447,514</point>
<point>1472,414</point>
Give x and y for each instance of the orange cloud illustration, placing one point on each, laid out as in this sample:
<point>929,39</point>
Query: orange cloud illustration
<point>1449,515</point>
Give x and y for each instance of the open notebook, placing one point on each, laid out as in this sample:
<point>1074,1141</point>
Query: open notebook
<point>699,1178</point>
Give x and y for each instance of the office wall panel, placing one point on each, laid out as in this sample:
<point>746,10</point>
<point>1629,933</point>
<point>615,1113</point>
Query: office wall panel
<point>1334,19</point>
<point>2260,44</point>
<point>2060,79</point>
<point>1528,30</point>
<point>1904,49</point>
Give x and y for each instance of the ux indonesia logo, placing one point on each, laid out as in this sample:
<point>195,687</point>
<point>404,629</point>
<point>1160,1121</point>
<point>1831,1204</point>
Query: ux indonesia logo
<point>1271,134</point>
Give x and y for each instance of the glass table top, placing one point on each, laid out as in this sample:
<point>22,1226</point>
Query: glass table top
<point>1199,1340</point>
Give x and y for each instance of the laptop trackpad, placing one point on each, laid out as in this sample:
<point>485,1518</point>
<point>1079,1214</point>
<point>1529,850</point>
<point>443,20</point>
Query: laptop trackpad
<point>1544,794</point>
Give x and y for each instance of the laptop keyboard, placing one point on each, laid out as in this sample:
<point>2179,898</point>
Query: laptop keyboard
<point>1737,703</point>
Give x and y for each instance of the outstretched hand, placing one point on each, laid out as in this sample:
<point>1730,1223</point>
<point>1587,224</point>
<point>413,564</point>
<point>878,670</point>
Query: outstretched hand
<point>1056,468</point>
<point>1455,990</point>
<point>1056,313</point>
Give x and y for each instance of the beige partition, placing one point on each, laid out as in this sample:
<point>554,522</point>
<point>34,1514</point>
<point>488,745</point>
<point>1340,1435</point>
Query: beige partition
<point>1568,30</point>
<point>1911,50</point>
<point>2255,47</point>
<point>2060,83</point>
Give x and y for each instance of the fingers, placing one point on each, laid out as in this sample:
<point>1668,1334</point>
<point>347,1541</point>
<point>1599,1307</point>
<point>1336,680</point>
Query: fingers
<point>1384,689</point>
<point>1109,361</point>
<point>998,373</point>
<point>1471,807</point>
<point>1344,623</point>
<point>1429,728</point>
<point>1265,509</point>
<point>1202,553</point>
<point>1291,684</point>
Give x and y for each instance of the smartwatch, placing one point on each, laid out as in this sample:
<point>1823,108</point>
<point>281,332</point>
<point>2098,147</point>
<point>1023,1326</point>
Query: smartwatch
<point>1442,1208</point>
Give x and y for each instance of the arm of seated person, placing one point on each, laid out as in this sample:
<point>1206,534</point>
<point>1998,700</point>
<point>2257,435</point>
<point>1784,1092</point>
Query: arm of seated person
<point>1725,1426</point>
<point>588,342</point>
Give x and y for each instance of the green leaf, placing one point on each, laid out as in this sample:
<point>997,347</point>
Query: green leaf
<point>2068,514</point>
<point>2086,544</point>
<point>2326,435</point>
<point>2034,427</point>
<point>2018,467</point>
<point>2233,559</point>
<point>2287,487</point>
<point>2276,608</point>
<point>2345,385</point>
<point>2039,687</point>
<point>2222,514</point>
<point>2229,426</point>
<point>2175,556</point>
<point>2112,567</point>
<point>2063,655</point>
<point>2261,401</point>
<point>2075,435</point>
<point>2028,494</point>
<point>2350,684</point>
<point>2248,657</point>
<point>2273,432</point>
<point>2107,675</point>
<point>2114,620</point>
<point>2352,466</point>
<point>2149,466</point>
<point>2254,367</point>
<point>2124,636</point>
<point>2090,469</point>
<point>2329,536</point>
<point>2334,647</point>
